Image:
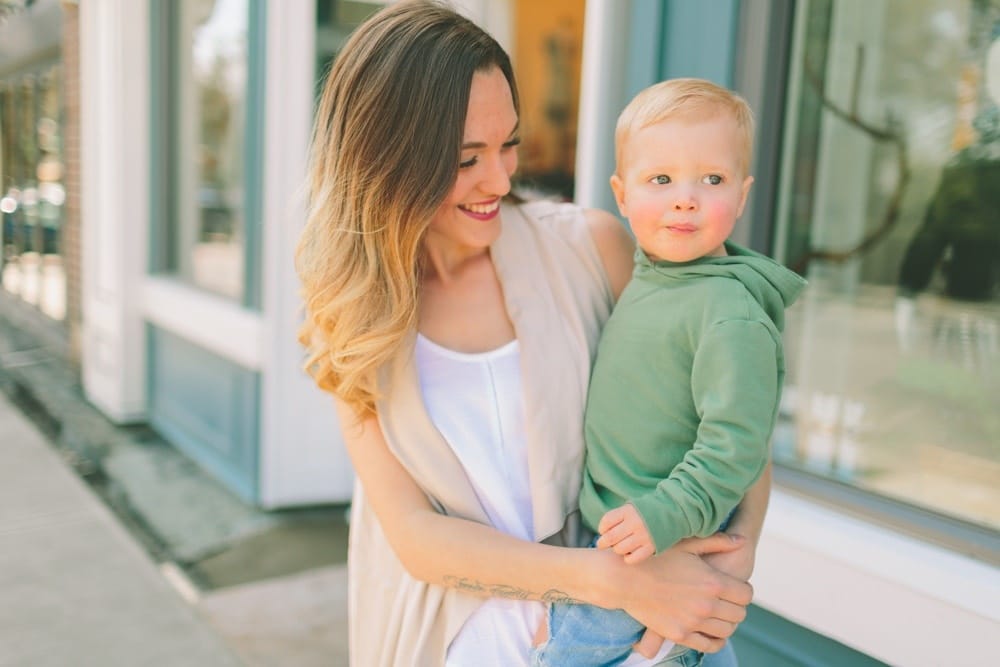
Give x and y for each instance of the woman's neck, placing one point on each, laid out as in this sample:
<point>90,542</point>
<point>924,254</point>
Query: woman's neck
<point>447,262</point>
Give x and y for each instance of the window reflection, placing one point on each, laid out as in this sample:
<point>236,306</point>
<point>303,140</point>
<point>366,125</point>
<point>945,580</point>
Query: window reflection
<point>209,61</point>
<point>32,193</point>
<point>890,203</point>
<point>546,52</point>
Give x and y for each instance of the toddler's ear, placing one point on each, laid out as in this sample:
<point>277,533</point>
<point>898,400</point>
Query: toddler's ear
<point>618,187</point>
<point>747,182</point>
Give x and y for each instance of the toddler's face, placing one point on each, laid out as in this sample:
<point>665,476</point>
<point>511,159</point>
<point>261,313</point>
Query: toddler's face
<point>682,186</point>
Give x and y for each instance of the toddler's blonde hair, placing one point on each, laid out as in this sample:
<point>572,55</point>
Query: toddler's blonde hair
<point>685,99</point>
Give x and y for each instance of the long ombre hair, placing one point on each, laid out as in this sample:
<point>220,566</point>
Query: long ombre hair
<point>385,152</point>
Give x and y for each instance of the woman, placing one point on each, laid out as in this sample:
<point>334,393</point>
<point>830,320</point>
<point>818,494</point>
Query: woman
<point>458,349</point>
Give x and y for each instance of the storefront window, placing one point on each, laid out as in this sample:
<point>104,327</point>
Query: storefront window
<point>206,227</point>
<point>32,193</point>
<point>547,49</point>
<point>335,20</point>
<point>889,203</point>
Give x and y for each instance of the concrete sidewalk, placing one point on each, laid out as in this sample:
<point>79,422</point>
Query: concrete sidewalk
<point>76,588</point>
<point>96,518</point>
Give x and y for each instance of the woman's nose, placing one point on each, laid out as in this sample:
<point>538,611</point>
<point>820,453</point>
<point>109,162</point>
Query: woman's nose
<point>496,180</point>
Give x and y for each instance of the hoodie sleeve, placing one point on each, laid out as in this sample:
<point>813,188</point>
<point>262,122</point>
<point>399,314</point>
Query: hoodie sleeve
<point>736,384</point>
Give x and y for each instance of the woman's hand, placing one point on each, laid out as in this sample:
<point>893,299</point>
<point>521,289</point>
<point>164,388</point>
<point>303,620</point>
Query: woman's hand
<point>747,522</point>
<point>681,597</point>
<point>737,563</point>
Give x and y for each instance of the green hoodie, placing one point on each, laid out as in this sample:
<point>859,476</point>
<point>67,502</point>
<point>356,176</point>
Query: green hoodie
<point>685,391</point>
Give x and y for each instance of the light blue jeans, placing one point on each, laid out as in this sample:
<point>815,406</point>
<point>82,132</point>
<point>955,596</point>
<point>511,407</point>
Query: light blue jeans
<point>691,658</point>
<point>724,658</point>
<point>586,636</point>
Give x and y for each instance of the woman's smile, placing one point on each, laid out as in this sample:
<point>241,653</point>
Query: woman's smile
<point>482,211</point>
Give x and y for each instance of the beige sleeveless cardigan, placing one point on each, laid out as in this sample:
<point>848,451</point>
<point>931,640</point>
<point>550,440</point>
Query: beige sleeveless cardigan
<point>558,297</point>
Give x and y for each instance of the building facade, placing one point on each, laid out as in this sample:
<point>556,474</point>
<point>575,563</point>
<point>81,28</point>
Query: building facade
<point>151,173</point>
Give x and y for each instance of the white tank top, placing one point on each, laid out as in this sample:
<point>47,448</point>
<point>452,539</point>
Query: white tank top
<point>474,401</point>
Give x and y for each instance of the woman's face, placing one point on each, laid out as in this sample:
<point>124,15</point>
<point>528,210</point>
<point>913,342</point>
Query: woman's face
<point>469,218</point>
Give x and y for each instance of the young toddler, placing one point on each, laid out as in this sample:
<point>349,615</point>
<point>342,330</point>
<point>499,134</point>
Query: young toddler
<point>688,375</point>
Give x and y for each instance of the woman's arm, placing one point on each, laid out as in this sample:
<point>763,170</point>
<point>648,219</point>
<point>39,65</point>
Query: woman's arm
<point>748,521</point>
<point>615,246</point>
<point>675,593</point>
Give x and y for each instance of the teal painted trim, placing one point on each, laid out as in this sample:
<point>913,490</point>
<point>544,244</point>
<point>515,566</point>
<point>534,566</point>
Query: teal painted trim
<point>772,50</point>
<point>159,89</point>
<point>253,175</point>
<point>645,44</point>
<point>699,39</point>
<point>207,407</point>
<point>765,639</point>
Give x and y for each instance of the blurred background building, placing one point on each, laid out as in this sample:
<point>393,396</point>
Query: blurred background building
<point>152,157</point>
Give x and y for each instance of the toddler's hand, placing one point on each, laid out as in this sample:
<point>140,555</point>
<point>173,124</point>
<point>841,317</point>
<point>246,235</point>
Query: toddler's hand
<point>625,532</point>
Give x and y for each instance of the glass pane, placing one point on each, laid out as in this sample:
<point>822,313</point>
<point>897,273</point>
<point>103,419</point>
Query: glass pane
<point>890,204</point>
<point>335,19</point>
<point>32,193</point>
<point>209,54</point>
<point>546,50</point>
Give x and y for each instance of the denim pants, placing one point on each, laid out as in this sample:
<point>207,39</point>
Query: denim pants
<point>588,636</point>
<point>599,646</point>
<point>583,635</point>
<point>724,658</point>
<point>582,654</point>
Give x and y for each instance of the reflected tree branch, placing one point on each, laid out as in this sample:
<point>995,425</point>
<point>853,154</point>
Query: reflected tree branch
<point>888,134</point>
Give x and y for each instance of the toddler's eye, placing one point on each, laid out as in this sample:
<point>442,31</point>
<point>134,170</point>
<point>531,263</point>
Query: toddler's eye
<point>712,179</point>
<point>660,179</point>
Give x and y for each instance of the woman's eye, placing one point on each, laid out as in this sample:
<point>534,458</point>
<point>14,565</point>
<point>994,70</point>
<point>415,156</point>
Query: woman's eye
<point>512,143</point>
<point>712,179</point>
<point>660,179</point>
<point>471,162</point>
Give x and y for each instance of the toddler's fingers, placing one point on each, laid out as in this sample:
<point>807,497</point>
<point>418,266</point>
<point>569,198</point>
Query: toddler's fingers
<point>627,545</point>
<point>610,520</point>
<point>639,555</point>
<point>614,536</point>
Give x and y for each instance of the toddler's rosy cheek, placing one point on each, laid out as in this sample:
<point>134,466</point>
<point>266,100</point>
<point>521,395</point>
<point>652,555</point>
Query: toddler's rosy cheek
<point>645,210</point>
<point>719,210</point>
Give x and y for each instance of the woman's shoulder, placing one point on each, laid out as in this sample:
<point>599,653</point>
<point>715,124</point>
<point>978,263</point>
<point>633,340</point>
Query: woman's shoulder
<point>594,233</point>
<point>599,227</point>
<point>553,224</point>
<point>551,212</point>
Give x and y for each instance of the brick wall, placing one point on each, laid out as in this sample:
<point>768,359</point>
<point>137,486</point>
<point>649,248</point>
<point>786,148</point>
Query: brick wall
<point>71,175</point>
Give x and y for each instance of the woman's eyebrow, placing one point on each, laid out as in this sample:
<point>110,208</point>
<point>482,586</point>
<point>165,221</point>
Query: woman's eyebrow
<point>482,144</point>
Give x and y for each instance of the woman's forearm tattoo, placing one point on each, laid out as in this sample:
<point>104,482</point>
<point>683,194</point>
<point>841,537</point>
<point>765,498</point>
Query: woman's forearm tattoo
<point>492,590</point>
<point>553,595</point>
<point>505,591</point>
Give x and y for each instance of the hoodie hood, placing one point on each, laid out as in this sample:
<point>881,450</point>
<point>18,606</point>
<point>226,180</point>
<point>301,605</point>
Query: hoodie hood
<point>772,285</point>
